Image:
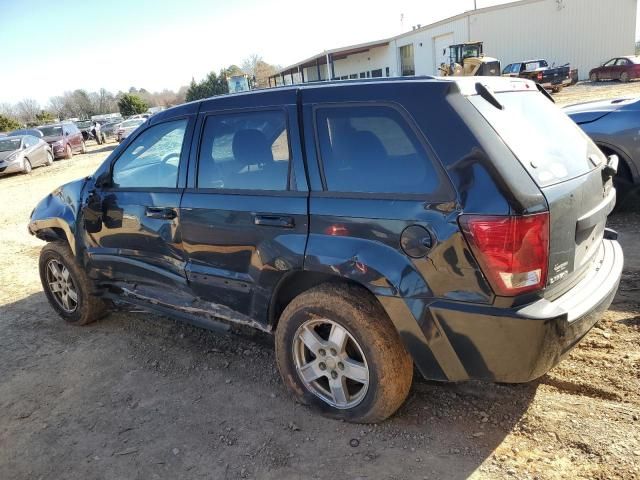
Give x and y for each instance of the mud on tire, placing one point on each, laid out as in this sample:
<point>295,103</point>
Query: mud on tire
<point>390,367</point>
<point>86,308</point>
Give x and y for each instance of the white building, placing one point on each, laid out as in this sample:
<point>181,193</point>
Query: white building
<point>584,33</point>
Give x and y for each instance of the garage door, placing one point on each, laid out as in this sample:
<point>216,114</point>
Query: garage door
<point>441,50</point>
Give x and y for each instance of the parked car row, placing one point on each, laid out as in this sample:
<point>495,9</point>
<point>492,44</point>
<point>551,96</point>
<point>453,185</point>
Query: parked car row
<point>27,148</point>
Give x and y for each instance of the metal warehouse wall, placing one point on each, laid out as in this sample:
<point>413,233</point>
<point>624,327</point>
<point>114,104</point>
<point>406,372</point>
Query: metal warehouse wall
<point>424,42</point>
<point>584,33</point>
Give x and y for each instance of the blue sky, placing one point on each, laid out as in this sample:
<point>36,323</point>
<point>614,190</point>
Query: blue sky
<point>49,47</point>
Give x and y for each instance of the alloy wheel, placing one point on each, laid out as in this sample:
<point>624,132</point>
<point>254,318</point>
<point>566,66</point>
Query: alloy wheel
<point>61,286</point>
<point>330,363</point>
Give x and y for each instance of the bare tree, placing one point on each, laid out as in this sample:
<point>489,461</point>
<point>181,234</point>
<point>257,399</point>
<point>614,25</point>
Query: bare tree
<point>258,69</point>
<point>57,107</point>
<point>7,110</point>
<point>27,109</point>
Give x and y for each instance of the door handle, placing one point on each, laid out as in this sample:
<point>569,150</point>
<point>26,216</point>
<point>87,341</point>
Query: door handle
<point>281,221</point>
<point>161,212</point>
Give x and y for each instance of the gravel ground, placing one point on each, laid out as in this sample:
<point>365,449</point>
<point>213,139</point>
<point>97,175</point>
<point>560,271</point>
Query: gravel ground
<point>139,396</point>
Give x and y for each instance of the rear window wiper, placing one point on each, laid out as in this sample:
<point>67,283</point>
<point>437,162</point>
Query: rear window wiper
<point>488,95</point>
<point>544,92</point>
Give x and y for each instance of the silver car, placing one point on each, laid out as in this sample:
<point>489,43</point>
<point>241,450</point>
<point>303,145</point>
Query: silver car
<point>23,152</point>
<point>129,126</point>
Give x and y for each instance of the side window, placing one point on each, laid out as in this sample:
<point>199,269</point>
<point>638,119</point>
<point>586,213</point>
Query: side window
<point>245,151</point>
<point>152,159</point>
<point>622,62</point>
<point>507,69</point>
<point>610,63</point>
<point>29,141</point>
<point>372,149</point>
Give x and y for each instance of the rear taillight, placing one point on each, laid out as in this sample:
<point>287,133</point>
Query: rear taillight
<point>539,76</point>
<point>513,252</point>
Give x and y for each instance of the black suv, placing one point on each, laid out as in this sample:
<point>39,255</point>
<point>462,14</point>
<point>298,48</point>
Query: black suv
<point>454,224</point>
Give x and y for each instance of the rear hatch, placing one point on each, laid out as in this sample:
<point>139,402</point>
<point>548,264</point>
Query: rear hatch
<point>568,168</point>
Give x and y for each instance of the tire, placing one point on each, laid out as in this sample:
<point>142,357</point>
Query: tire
<point>624,77</point>
<point>86,307</point>
<point>373,349</point>
<point>49,161</point>
<point>626,190</point>
<point>26,166</point>
<point>594,77</point>
<point>83,149</point>
<point>557,89</point>
<point>68,152</point>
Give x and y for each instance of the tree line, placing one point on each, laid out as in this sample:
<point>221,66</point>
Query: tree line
<point>83,104</point>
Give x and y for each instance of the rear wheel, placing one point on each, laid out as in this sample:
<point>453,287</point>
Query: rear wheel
<point>338,352</point>
<point>593,77</point>
<point>624,77</point>
<point>26,167</point>
<point>67,286</point>
<point>557,89</point>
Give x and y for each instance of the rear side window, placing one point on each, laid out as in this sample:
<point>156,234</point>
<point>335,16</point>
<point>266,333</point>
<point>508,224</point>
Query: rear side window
<point>546,141</point>
<point>372,149</point>
<point>245,151</point>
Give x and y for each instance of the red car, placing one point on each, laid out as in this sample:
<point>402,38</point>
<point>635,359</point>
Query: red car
<point>619,68</point>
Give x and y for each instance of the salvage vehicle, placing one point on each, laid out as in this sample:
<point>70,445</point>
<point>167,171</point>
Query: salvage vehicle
<point>619,68</point>
<point>127,127</point>
<point>65,139</point>
<point>613,126</point>
<point>550,78</point>
<point>22,153</point>
<point>343,218</point>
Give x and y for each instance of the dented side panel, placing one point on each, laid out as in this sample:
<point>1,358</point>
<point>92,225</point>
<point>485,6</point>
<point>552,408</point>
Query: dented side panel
<point>55,217</point>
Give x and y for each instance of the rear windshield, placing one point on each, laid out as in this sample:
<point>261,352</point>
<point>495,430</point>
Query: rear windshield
<point>51,131</point>
<point>548,143</point>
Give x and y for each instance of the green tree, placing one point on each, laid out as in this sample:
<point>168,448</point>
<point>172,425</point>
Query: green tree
<point>130,104</point>
<point>44,117</point>
<point>211,85</point>
<point>7,124</point>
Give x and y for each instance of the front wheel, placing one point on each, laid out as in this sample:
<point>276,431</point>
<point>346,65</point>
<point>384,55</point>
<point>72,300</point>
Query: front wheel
<point>338,352</point>
<point>67,286</point>
<point>26,167</point>
<point>593,77</point>
<point>68,152</point>
<point>49,159</point>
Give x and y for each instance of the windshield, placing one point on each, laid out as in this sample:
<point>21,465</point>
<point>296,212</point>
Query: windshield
<point>9,144</point>
<point>51,131</point>
<point>132,123</point>
<point>546,141</point>
<point>83,124</point>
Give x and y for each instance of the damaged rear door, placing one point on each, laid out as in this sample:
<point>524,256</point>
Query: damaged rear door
<point>244,214</point>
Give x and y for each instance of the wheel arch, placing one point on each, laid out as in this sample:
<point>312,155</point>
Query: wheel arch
<point>300,281</point>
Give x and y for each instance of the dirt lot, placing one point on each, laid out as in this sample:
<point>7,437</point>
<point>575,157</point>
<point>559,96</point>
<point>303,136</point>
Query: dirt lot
<point>141,396</point>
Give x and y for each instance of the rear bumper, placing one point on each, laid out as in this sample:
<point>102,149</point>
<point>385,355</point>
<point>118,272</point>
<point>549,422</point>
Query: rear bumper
<point>471,341</point>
